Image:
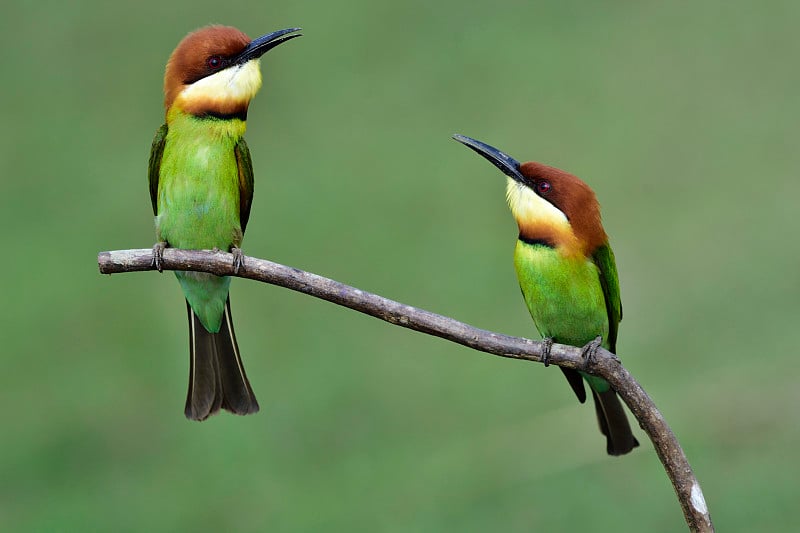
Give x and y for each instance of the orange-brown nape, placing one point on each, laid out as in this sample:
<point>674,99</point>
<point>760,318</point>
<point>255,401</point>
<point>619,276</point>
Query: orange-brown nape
<point>199,55</point>
<point>571,196</point>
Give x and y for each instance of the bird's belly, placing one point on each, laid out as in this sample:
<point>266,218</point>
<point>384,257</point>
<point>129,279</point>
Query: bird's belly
<point>199,202</point>
<point>563,295</point>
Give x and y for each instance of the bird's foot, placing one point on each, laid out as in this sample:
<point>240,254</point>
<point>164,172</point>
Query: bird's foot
<point>547,346</point>
<point>590,350</point>
<point>238,259</point>
<point>158,254</point>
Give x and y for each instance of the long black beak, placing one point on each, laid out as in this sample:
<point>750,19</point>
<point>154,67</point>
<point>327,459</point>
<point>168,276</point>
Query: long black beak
<point>263,44</point>
<point>507,164</point>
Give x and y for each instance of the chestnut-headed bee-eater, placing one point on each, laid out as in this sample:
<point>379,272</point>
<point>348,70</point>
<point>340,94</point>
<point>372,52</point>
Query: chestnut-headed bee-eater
<point>567,273</point>
<point>201,187</point>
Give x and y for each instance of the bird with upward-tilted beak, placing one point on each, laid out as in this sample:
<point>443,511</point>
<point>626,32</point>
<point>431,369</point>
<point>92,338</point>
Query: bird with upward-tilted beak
<point>201,188</point>
<point>567,273</point>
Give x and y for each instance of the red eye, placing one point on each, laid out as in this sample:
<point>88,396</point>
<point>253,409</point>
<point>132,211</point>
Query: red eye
<point>214,62</point>
<point>543,187</point>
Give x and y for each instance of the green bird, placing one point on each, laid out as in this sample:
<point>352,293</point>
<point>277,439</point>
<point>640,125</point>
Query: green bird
<point>201,187</point>
<point>567,273</point>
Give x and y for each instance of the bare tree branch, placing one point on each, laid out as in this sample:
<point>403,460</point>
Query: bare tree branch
<point>604,364</point>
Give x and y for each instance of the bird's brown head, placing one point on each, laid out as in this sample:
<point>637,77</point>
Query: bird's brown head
<point>551,206</point>
<point>215,70</point>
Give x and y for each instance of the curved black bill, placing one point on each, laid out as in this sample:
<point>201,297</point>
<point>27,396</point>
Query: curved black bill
<point>260,45</point>
<point>507,164</point>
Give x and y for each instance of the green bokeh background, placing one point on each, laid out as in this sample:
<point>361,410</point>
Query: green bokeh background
<point>682,117</point>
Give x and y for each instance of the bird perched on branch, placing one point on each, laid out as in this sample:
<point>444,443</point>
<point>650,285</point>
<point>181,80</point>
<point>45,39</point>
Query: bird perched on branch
<point>201,187</point>
<point>567,273</point>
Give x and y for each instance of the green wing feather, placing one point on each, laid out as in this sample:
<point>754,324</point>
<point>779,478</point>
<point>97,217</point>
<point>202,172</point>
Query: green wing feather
<point>156,152</point>
<point>245,167</point>
<point>604,259</point>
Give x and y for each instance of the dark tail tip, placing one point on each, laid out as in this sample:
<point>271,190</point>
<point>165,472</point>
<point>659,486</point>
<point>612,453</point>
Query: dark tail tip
<point>615,448</point>
<point>613,423</point>
<point>216,374</point>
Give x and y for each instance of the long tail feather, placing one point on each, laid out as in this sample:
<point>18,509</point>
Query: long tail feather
<point>203,399</point>
<point>613,423</point>
<point>238,396</point>
<point>216,374</point>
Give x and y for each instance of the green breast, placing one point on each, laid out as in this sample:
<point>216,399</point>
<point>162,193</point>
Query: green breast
<point>563,294</point>
<point>198,192</point>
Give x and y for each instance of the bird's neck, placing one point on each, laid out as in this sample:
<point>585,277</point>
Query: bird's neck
<point>539,221</point>
<point>557,237</point>
<point>183,123</point>
<point>542,223</point>
<point>216,110</point>
<point>223,95</point>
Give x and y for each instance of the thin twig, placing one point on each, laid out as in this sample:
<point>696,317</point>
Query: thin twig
<point>604,364</point>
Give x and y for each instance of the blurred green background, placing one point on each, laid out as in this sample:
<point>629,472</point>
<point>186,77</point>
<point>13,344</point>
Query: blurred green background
<point>682,117</point>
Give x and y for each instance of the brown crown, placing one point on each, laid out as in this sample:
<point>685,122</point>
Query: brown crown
<point>189,61</point>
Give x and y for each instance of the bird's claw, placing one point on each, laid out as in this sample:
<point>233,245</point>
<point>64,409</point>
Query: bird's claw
<point>547,346</point>
<point>590,350</point>
<point>238,259</point>
<point>158,255</point>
